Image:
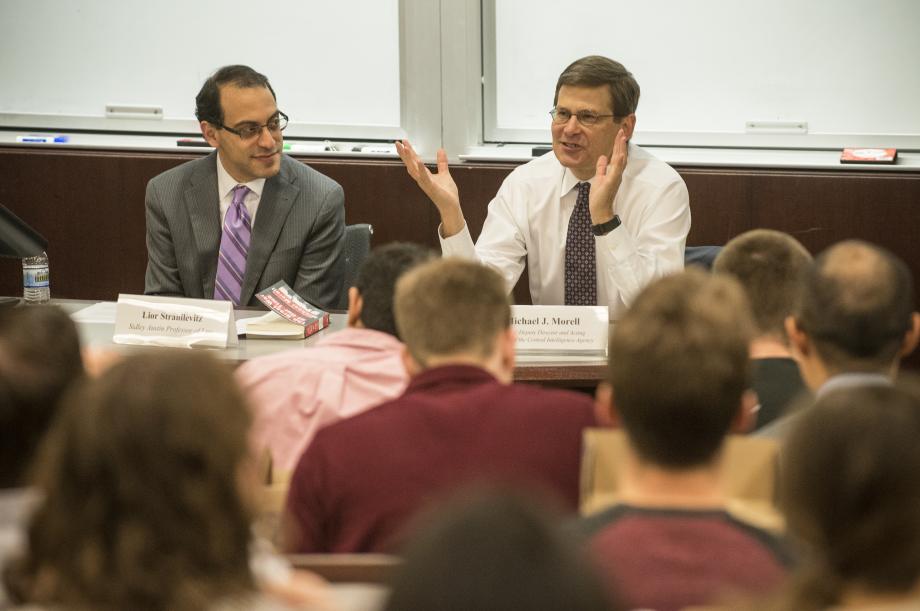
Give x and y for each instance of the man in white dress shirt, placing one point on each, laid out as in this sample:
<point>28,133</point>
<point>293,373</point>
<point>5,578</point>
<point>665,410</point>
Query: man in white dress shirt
<point>583,245</point>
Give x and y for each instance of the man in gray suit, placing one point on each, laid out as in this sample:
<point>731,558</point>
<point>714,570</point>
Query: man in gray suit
<point>246,216</point>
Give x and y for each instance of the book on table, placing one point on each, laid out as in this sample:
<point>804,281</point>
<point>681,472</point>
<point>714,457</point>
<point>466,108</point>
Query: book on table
<point>290,316</point>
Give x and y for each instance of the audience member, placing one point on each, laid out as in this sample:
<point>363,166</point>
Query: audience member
<point>855,322</point>
<point>39,359</point>
<point>146,485</point>
<point>678,376</point>
<point>771,267</point>
<point>460,420</point>
<point>851,490</point>
<point>495,553</point>
<point>296,392</point>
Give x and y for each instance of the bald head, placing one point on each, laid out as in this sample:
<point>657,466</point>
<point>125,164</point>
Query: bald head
<point>857,306</point>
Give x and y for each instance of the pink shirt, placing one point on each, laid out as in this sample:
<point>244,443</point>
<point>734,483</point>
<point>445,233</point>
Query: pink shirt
<point>297,392</point>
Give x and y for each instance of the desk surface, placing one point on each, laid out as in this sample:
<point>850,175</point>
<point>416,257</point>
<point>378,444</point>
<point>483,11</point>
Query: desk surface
<point>571,372</point>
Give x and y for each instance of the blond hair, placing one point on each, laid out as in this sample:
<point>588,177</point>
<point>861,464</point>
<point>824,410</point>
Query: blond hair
<point>451,306</point>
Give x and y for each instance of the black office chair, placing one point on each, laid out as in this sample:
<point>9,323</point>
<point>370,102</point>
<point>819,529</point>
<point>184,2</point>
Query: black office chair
<point>701,256</point>
<point>357,245</point>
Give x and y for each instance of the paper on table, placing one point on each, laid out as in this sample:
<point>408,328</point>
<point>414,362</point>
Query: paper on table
<point>102,312</point>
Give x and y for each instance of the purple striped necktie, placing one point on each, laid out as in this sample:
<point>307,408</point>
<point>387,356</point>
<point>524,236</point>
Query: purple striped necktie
<point>580,253</point>
<point>234,246</point>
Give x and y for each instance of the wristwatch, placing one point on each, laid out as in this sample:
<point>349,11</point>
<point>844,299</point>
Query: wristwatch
<point>605,228</point>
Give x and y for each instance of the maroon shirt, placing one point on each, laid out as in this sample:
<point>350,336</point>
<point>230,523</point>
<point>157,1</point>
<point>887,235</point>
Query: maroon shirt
<point>668,559</point>
<point>362,479</point>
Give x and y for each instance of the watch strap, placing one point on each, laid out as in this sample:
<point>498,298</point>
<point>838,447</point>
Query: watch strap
<point>605,228</point>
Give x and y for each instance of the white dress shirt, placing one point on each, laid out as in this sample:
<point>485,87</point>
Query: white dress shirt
<point>529,218</point>
<point>225,185</point>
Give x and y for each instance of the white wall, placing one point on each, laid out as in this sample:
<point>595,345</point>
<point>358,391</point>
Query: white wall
<point>707,67</point>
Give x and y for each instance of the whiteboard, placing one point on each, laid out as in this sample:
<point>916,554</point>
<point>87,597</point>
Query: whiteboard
<point>333,65</point>
<point>849,69</point>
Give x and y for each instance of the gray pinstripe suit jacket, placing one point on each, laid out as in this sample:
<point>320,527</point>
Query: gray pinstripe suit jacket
<point>298,235</point>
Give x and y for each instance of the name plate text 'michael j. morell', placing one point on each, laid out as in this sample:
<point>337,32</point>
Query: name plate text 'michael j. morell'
<point>561,330</point>
<point>175,322</point>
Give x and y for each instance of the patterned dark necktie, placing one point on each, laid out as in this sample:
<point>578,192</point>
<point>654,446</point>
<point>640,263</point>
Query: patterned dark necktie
<point>580,254</point>
<point>234,247</point>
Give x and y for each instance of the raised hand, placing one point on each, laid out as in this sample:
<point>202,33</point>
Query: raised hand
<point>606,184</point>
<point>440,188</point>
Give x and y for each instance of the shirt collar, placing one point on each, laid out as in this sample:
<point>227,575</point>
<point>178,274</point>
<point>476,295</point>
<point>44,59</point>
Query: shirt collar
<point>849,380</point>
<point>364,339</point>
<point>450,376</point>
<point>226,183</point>
<point>570,181</point>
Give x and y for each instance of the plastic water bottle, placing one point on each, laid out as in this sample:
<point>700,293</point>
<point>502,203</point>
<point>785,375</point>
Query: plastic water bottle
<point>36,279</point>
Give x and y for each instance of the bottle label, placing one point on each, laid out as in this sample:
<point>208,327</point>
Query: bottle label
<point>36,277</point>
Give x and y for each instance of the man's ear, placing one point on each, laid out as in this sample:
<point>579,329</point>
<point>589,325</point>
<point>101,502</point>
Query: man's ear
<point>355,305</point>
<point>210,133</point>
<point>413,368</point>
<point>746,417</point>
<point>629,126</point>
<point>508,344</point>
<point>912,336</point>
<point>798,339</point>
<point>604,410</point>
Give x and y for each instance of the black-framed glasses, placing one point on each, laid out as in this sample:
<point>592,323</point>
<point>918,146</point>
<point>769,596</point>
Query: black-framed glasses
<point>585,117</point>
<point>248,131</point>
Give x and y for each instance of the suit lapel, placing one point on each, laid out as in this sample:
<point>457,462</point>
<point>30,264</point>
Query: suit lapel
<point>203,204</point>
<point>277,198</point>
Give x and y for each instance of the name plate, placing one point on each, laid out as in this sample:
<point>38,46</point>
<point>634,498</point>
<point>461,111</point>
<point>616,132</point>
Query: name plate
<point>561,330</point>
<point>175,322</point>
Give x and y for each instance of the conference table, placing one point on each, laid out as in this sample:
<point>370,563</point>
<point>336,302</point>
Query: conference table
<point>96,325</point>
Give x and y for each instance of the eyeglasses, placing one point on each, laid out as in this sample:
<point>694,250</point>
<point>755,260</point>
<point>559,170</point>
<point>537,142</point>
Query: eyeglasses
<point>585,117</point>
<point>249,131</point>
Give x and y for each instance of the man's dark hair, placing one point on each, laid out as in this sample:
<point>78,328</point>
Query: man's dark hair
<point>39,359</point>
<point>376,282</point>
<point>495,552</point>
<point>771,267</point>
<point>679,367</point>
<point>207,102</point>
<point>597,71</point>
<point>856,306</point>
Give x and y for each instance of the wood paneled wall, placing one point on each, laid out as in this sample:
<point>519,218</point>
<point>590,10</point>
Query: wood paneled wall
<point>90,206</point>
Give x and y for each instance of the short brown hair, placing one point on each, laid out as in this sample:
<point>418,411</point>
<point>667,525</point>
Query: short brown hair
<point>597,71</point>
<point>856,306</point>
<point>39,359</point>
<point>679,367</point>
<point>451,306</point>
<point>771,267</point>
<point>142,505</point>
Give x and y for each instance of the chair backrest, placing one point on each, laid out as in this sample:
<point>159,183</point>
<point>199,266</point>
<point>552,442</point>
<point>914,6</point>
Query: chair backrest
<point>749,462</point>
<point>348,568</point>
<point>357,246</point>
<point>703,256</point>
